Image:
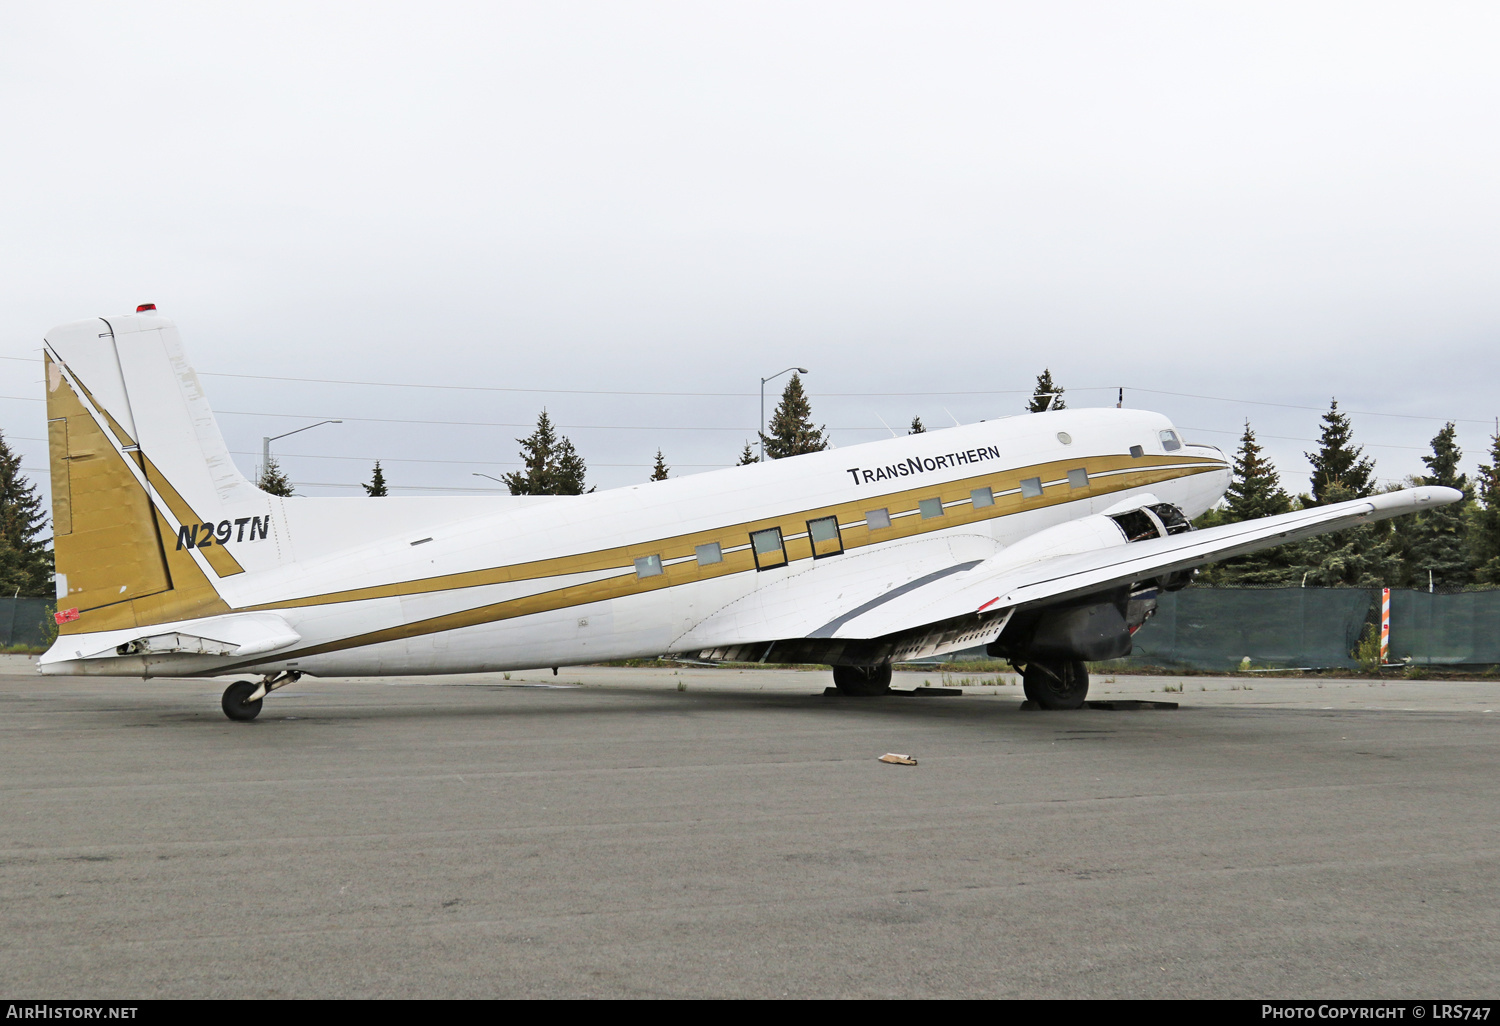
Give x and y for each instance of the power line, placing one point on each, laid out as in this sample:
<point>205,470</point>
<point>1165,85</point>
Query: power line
<point>569,391</point>
<point>751,395</point>
<point>1310,441</point>
<point>503,424</point>
<point>1291,406</point>
<point>457,463</point>
<point>581,391</point>
<point>402,488</point>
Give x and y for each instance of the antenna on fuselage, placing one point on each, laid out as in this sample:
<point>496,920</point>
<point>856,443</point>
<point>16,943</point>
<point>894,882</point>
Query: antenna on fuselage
<point>887,426</point>
<point>955,419</point>
<point>1120,403</point>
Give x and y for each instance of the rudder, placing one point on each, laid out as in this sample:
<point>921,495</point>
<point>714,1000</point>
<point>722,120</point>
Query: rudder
<point>146,499</point>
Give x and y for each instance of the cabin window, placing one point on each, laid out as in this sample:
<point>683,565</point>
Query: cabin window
<point>825,538</point>
<point>877,518</point>
<point>1169,440</point>
<point>1031,488</point>
<point>710,553</point>
<point>769,550</point>
<point>1137,525</point>
<point>1078,478</point>
<point>930,508</point>
<point>1136,452</point>
<point>982,497</point>
<point>648,566</point>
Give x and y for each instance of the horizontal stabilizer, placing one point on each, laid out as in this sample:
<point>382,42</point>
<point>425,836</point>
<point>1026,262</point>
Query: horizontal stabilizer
<point>237,634</point>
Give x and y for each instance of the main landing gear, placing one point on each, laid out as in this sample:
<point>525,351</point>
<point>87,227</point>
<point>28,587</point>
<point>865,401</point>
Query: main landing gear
<point>242,699</point>
<point>1056,685</point>
<point>863,681</point>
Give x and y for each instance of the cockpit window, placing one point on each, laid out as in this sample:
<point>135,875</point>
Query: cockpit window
<point>1137,525</point>
<point>1170,441</point>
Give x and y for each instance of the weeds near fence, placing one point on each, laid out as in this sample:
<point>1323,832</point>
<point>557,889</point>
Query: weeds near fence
<point>1367,652</point>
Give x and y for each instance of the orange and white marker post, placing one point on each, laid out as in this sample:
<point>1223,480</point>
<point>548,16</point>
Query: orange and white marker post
<point>1385,626</point>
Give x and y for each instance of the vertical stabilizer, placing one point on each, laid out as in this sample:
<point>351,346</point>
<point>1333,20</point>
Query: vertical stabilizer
<point>148,507</point>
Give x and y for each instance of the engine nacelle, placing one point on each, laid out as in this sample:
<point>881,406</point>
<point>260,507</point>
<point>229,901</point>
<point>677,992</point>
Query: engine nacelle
<point>1098,626</point>
<point>1090,628</point>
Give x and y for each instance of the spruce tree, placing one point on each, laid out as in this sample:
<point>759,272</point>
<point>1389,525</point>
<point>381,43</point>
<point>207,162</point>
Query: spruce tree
<point>1339,461</point>
<point>376,487</point>
<point>1254,491</point>
<point>25,562</point>
<point>1047,395</point>
<point>551,466</point>
<point>747,456</point>
<point>1356,557</point>
<point>660,470</point>
<point>272,480</point>
<point>792,431</point>
<point>1484,520</point>
<point>1436,539</point>
<point>568,471</point>
<point>917,427</point>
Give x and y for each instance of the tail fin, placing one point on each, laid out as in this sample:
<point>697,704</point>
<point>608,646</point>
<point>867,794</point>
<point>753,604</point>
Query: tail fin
<point>146,501</point>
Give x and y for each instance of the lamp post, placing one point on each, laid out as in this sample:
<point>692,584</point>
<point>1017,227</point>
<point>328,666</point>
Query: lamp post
<point>490,476</point>
<point>265,443</point>
<point>773,377</point>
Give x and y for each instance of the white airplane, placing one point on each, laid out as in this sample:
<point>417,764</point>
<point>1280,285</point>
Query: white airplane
<point>1042,536</point>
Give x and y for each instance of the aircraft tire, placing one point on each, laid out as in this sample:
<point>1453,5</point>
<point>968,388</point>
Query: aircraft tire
<point>863,681</point>
<point>1060,685</point>
<point>235,706</point>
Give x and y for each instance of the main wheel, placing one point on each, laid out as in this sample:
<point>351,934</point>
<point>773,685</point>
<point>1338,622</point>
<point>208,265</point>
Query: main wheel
<point>235,706</point>
<point>1062,685</point>
<point>863,680</point>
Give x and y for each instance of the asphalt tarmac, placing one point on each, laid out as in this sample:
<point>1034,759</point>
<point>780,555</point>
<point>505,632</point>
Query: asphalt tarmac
<point>619,837</point>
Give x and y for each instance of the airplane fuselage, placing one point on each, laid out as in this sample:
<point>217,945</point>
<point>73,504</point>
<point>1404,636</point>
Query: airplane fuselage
<point>413,586</point>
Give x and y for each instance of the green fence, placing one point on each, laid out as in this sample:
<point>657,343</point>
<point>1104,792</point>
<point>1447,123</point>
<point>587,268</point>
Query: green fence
<point>25,621</point>
<point>1217,628</point>
<point>1445,630</point>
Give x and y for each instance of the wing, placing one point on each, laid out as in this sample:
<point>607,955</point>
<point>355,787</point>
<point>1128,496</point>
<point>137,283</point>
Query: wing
<point>967,602</point>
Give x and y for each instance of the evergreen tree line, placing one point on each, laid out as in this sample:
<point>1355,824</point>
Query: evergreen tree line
<point>1450,546</point>
<point>553,466</point>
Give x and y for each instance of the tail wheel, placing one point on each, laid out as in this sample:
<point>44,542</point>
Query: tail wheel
<point>1061,685</point>
<point>234,702</point>
<point>863,680</point>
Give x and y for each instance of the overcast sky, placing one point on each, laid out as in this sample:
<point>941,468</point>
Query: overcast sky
<point>924,204</point>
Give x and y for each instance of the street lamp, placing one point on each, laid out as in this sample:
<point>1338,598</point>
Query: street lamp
<point>773,377</point>
<point>265,443</point>
<point>490,476</point>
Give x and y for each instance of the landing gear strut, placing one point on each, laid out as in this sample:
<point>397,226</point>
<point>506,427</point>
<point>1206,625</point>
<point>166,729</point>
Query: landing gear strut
<point>863,680</point>
<point>242,699</point>
<point>1056,685</point>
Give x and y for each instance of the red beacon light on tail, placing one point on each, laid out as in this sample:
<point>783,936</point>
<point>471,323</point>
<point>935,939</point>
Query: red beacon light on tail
<point>145,307</point>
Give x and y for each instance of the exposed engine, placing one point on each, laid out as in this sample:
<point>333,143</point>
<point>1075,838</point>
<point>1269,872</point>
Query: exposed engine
<point>1101,625</point>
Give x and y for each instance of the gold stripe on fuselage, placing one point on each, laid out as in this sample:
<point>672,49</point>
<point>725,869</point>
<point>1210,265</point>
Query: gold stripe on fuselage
<point>1107,474</point>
